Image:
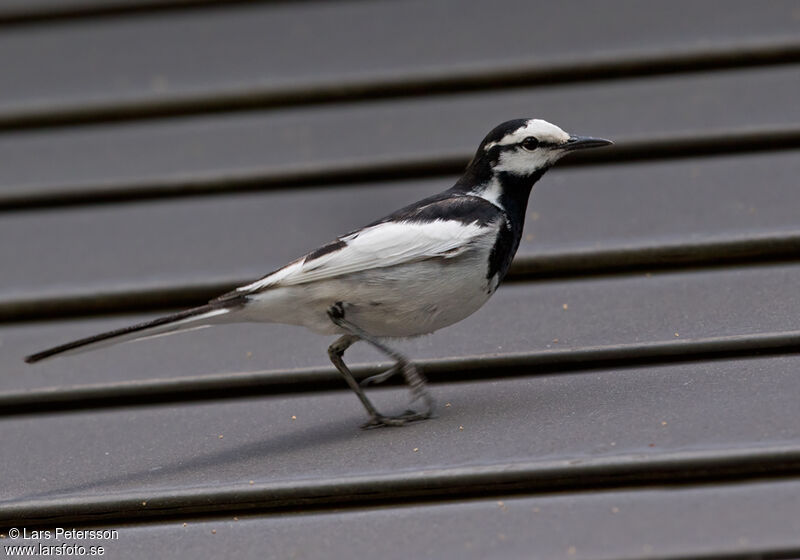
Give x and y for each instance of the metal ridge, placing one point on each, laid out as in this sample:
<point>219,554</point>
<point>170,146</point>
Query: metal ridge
<point>410,84</point>
<point>541,477</point>
<point>33,15</point>
<point>675,146</point>
<point>454,369</point>
<point>757,249</point>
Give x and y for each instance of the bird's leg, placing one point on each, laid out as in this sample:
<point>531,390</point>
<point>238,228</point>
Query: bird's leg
<point>336,353</point>
<point>382,377</point>
<point>415,380</point>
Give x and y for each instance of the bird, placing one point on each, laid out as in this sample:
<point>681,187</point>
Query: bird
<point>421,268</point>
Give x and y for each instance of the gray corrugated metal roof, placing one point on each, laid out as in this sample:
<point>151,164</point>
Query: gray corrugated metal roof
<point>652,523</point>
<point>221,151</point>
<point>264,51</point>
<point>629,413</point>
<point>630,393</point>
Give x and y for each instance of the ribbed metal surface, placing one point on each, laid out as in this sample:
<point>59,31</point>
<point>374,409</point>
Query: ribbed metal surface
<point>273,149</point>
<point>274,53</point>
<point>717,522</point>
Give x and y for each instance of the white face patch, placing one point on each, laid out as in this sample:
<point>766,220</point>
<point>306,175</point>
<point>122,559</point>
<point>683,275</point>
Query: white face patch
<point>523,162</point>
<point>539,129</point>
<point>520,162</point>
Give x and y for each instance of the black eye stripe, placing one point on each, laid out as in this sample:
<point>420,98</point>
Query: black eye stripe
<point>546,144</point>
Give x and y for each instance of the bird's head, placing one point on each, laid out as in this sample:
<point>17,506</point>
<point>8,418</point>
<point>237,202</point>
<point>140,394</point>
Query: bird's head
<point>513,156</point>
<point>527,147</point>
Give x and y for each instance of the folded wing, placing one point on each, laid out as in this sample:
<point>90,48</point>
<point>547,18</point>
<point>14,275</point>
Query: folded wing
<point>382,245</point>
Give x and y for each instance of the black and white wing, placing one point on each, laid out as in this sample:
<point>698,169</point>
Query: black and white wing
<point>443,228</point>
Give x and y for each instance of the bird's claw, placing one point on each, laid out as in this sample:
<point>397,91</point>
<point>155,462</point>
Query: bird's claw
<point>408,417</point>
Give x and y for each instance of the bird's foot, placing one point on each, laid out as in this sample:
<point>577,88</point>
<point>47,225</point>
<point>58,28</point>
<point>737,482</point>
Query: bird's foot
<point>408,417</point>
<point>426,398</point>
<point>419,392</point>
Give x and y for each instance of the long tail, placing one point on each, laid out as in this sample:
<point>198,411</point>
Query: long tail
<point>197,317</point>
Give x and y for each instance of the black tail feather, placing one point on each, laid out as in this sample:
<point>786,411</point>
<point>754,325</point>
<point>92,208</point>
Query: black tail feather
<point>181,315</point>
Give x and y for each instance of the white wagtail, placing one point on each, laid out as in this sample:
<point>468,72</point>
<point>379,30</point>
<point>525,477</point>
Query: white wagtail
<point>421,268</point>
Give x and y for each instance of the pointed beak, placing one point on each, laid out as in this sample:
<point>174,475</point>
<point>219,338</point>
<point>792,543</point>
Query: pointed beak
<point>581,142</point>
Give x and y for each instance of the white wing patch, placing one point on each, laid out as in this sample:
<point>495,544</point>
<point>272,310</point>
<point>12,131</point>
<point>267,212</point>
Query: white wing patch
<point>382,245</point>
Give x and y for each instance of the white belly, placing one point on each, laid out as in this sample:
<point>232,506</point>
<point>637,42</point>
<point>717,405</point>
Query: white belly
<point>398,301</point>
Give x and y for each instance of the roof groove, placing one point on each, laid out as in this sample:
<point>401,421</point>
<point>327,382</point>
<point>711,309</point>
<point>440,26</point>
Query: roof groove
<point>753,250</point>
<point>410,85</point>
<point>441,370</point>
<point>777,553</point>
<point>32,14</point>
<point>718,143</point>
<point>544,477</point>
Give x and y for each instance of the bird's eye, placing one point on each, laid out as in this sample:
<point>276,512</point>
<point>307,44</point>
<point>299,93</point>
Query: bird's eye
<point>530,143</point>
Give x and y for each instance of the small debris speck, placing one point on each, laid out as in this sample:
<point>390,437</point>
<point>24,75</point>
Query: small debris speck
<point>416,449</point>
<point>294,417</point>
<point>614,509</point>
<point>236,519</point>
<point>252,482</point>
<point>185,524</point>
<point>651,445</point>
<point>664,423</point>
<point>220,436</point>
<point>144,503</point>
<point>447,405</point>
<point>555,341</point>
<point>249,355</point>
<point>159,83</point>
<point>536,510</point>
<point>565,306</point>
<point>676,334</point>
<point>213,531</point>
<point>572,551</point>
<point>461,428</point>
